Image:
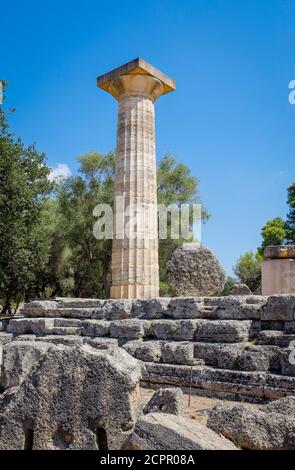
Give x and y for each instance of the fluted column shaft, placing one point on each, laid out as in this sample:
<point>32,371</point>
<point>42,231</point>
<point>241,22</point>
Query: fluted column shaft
<point>135,266</point>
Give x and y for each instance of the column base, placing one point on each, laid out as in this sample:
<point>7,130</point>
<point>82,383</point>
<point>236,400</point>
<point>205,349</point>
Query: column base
<point>134,291</point>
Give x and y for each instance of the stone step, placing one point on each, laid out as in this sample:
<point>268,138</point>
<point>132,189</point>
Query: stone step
<point>232,307</point>
<point>220,383</point>
<point>239,356</point>
<point>236,356</point>
<point>64,331</point>
<point>220,331</point>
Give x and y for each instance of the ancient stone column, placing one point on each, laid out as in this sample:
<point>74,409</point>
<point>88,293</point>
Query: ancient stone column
<point>135,267</point>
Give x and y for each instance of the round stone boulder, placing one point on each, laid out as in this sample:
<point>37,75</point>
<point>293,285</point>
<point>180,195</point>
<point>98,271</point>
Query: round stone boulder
<point>193,270</point>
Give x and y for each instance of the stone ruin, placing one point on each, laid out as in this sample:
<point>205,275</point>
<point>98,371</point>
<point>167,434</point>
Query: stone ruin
<point>71,367</point>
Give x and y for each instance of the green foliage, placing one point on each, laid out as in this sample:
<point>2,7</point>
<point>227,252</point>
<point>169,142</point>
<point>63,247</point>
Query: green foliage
<point>248,270</point>
<point>47,245</point>
<point>79,264</point>
<point>273,233</point>
<point>24,186</point>
<point>230,282</point>
<point>290,223</point>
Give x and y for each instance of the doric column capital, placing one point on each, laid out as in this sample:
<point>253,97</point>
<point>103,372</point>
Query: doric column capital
<point>136,78</point>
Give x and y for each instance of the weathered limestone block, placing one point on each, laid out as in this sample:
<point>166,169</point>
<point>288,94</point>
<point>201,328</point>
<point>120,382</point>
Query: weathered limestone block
<point>165,400</point>
<point>68,322</point>
<point>174,329</point>
<point>195,272</point>
<point>242,312</point>
<point>287,360</point>
<point>253,429</point>
<point>6,397</point>
<point>68,340</point>
<point>279,252</point>
<point>65,402</point>
<point>259,358</point>
<point>228,331</point>
<point>18,359</point>
<point>64,331</point>
<point>73,313</point>
<point>39,308</point>
<point>96,328</point>
<point>236,307</point>
<point>150,308</point>
<point>223,356</point>
<point>285,406</point>
<point>240,289</point>
<point>27,338</point>
<point>97,309</point>
<point>127,329</point>
<point>279,307</point>
<point>4,339</point>
<point>189,307</point>
<point>289,328</point>
<point>159,431</point>
<point>101,343</point>
<point>117,308</point>
<point>37,326</point>
<point>273,325</point>
<point>147,351</point>
<point>178,353</point>
<point>275,338</point>
<point>278,386</point>
<point>65,302</point>
<point>222,383</point>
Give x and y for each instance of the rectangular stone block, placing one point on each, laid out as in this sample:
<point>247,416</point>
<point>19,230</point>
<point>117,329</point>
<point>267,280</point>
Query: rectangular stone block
<point>126,329</point>
<point>66,331</point>
<point>68,322</point>
<point>38,326</point>
<point>275,338</point>
<point>289,328</point>
<point>279,307</point>
<point>287,359</point>
<point>278,276</point>
<point>146,351</point>
<point>68,340</point>
<point>39,308</point>
<point>178,353</point>
<point>101,343</point>
<point>259,358</point>
<point>174,329</point>
<point>223,356</point>
<point>96,328</point>
<point>227,331</point>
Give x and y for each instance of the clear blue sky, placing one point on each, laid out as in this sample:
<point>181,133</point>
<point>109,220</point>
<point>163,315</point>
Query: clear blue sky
<point>229,120</point>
